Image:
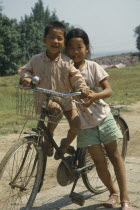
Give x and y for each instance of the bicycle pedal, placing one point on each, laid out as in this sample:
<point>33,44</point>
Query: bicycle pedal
<point>77,199</point>
<point>70,150</point>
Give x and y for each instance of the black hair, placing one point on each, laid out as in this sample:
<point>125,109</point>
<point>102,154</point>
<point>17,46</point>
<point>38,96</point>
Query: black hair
<point>77,33</point>
<point>56,25</point>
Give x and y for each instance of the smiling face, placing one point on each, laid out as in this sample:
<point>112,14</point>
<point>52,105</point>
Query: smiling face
<point>54,41</point>
<point>76,50</point>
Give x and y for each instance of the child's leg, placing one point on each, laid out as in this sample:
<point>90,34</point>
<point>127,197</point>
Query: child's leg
<point>99,159</point>
<point>119,168</point>
<point>56,115</point>
<point>74,123</point>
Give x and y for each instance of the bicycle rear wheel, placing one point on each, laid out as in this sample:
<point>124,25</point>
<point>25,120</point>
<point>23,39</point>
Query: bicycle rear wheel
<point>20,174</point>
<point>122,143</point>
<point>91,179</point>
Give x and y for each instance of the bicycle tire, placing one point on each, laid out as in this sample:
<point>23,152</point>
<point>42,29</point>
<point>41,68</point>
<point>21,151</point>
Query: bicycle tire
<point>91,179</point>
<point>125,132</point>
<point>20,174</point>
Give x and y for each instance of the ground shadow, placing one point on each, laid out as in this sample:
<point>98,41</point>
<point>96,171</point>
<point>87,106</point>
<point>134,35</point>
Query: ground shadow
<point>65,201</point>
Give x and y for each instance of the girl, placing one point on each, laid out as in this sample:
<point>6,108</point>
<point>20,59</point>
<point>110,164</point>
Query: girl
<point>100,127</point>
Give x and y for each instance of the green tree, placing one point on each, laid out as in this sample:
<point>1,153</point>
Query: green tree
<point>31,35</point>
<point>47,15</point>
<point>38,12</point>
<point>9,49</point>
<point>31,29</point>
<point>1,7</point>
<point>19,41</point>
<point>53,17</point>
<point>137,33</point>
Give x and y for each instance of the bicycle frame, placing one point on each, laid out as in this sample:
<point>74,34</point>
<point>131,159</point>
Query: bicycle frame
<point>41,131</point>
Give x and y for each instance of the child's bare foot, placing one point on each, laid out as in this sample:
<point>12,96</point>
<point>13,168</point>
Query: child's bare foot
<point>63,147</point>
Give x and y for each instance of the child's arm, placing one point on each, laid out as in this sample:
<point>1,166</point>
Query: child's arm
<point>78,82</point>
<point>26,73</point>
<point>93,96</point>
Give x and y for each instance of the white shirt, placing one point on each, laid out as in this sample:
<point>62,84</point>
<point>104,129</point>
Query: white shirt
<point>96,112</point>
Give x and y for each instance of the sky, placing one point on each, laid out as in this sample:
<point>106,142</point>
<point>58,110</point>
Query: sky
<point>110,24</point>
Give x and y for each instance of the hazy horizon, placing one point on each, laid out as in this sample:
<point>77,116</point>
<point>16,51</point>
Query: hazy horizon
<point>101,54</point>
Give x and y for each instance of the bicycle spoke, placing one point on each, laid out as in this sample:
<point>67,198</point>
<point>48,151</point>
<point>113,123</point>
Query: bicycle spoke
<point>18,177</point>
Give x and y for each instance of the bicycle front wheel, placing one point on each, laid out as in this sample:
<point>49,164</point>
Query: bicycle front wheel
<point>20,174</point>
<point>91,179</point>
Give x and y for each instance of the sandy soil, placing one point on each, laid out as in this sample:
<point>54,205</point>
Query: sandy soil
<point>132,117</point>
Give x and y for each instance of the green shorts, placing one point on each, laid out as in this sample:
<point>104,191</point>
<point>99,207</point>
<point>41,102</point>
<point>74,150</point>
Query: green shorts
<point>106,132</point>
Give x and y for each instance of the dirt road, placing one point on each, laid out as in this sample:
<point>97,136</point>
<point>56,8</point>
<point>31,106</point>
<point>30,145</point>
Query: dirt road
<point>53,196</point>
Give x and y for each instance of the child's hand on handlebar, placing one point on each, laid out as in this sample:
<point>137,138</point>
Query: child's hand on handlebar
<point>92,96</point>
<point>25,81</point>
<point>84,93</point>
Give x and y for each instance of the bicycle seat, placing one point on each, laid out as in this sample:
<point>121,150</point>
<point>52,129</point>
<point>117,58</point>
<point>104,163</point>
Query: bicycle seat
<point>116,107</point>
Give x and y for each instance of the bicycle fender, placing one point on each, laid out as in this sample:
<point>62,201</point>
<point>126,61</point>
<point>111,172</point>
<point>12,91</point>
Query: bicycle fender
<point>125,124</point>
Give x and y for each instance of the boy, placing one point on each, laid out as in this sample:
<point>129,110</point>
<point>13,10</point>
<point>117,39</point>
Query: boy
<point>56,72</point>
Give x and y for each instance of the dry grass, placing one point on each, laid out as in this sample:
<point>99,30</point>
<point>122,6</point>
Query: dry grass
<point>125,83</point>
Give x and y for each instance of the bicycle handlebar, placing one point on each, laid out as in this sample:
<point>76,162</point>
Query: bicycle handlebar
<point>35,81</point>
<point>51,92</point>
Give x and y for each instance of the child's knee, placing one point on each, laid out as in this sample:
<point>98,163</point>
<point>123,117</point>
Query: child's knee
<point>75,123</point>
<point>55,112</point>
<point>73,119</point>
<point>116,158</point>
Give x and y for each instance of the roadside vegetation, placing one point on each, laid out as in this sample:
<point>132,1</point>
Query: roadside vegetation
<point>20,40</point>
<point>125,83</point>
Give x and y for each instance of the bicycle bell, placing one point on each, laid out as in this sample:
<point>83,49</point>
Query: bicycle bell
<point>35,80</point>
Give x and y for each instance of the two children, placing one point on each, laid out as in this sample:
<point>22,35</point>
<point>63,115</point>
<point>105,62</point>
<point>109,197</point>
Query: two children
<point>56,73</point>
<point>100,127</point>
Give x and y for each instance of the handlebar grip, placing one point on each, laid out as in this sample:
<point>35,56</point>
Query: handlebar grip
<point>87,107</point>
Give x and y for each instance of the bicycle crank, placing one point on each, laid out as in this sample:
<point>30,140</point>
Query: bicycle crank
<point>64,177</point>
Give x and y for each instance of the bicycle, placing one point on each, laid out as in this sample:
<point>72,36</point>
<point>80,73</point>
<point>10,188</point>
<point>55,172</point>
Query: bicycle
<point>23,167</point>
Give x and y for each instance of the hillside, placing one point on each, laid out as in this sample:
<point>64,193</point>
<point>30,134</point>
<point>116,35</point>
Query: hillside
<point>124,58</point>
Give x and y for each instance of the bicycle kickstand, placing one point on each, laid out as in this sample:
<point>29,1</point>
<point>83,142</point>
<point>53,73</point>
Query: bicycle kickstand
<point>75,197</point>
